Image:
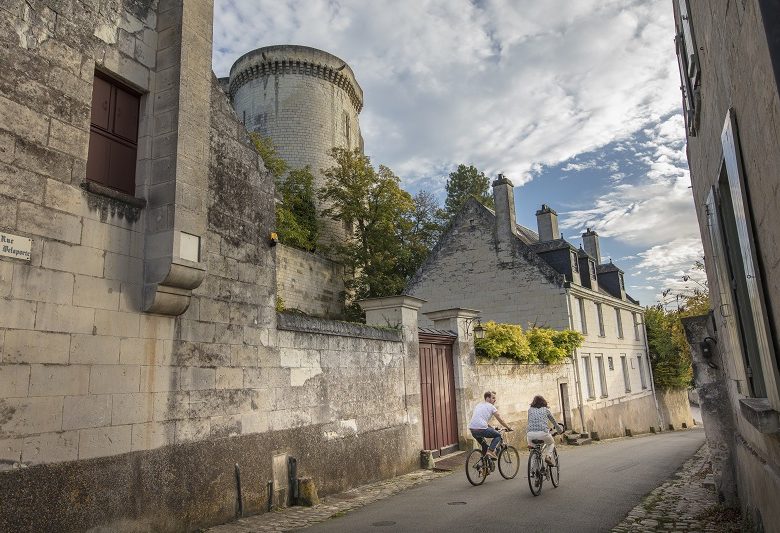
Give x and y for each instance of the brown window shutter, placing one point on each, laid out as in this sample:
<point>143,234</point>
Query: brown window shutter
<point>113,135</point>
<point>126,116</point>
<point>98,158</point>
<point>101,104</point>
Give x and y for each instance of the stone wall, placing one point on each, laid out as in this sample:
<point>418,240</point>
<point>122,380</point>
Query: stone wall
<point>611,418</point>
<point>309,282</point>
<point>675,408</point>
<point>738,54</point>
<point>515,386</point>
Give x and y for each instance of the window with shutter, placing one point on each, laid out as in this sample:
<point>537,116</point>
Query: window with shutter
<point>739,249</point>
<point>113,139</point>
<point>688,61</point>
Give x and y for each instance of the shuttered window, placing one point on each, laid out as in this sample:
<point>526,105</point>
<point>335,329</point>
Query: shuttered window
<point>738,244</point>
<point>113,139</point>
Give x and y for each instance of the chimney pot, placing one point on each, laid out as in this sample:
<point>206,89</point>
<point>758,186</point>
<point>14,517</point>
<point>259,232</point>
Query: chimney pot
<point>547,222</point>
<point>590,241</point>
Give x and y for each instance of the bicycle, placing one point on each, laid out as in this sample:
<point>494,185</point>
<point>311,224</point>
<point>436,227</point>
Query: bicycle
<point>479,465</point>
<point>538,470</point>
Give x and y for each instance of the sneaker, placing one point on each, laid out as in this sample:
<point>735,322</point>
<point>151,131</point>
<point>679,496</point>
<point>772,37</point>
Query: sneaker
<point>549,461</point>
<point>491,454</point>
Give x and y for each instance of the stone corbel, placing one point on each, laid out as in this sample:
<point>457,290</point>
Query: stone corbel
<point>171,295</point>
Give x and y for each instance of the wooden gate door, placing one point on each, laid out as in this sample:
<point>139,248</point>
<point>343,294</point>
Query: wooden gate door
<point>437,385</point>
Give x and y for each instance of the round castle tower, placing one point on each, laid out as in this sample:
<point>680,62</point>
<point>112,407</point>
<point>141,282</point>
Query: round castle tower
<point>307,101</point>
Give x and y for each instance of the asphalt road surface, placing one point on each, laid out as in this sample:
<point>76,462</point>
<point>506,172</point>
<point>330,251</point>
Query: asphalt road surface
<point>599,485</point>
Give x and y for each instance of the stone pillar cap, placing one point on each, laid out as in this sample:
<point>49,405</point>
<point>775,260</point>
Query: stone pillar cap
<point>455,312</point>
<point>387,302</point>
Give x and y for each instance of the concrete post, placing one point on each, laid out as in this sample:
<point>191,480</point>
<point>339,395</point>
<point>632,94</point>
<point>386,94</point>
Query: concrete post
<point>401,312</point>
<point>464,358</point>
<point>716,414</point>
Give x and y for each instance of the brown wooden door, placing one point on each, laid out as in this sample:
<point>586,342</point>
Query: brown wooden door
<point>437,385</point>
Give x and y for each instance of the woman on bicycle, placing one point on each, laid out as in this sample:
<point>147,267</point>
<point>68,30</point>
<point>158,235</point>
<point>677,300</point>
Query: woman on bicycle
<point>538,416</point>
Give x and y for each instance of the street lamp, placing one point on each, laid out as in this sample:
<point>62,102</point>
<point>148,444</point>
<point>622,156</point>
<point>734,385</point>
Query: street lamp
<point>479,331</point>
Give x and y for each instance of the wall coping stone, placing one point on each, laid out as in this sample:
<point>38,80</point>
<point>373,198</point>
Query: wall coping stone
<point>308,324</point>
<point>388,302</point>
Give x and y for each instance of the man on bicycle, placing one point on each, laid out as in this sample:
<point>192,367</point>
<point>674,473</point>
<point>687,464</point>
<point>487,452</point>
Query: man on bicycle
<point>538,415</point>
<point>479,427</point>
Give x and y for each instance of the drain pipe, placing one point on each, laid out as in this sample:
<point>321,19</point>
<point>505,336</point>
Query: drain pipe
<point>575,365</point>
<point>239,494</point>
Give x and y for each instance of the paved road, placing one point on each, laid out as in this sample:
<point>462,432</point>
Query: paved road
<point>600,484</point>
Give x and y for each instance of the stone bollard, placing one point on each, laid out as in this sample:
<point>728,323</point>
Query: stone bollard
<point>652,429</point>
<point>426,460</point>
<point>595,435</point>
<point>671,427</point>
<point>684,425</point>
<point>307,492</point>
<point>629,433</point>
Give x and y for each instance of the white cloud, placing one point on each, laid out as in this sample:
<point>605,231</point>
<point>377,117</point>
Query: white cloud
<point>507,85</point>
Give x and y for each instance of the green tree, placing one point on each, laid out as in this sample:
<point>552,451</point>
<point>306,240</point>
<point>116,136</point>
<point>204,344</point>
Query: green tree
<point>670,353</point>
<point>296,211</point>
<point>463,183</point>
<point>265,147</point>
<point>421,232</point>
<point>379,212</point>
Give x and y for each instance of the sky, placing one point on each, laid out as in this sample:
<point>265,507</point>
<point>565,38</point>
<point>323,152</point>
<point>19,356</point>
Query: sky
<point>576,102</point>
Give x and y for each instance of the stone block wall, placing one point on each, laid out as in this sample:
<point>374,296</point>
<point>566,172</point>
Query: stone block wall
<point>515,386</point>
<point>467,270</point>
<point>675,408</point>
<point>309,282</point>
<point>738,54</point>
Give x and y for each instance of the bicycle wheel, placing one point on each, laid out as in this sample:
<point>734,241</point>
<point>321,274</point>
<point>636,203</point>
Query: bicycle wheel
<point>508,462</point>
<point>535,475</point>
<point>476,469</point>
<point>555,470</point>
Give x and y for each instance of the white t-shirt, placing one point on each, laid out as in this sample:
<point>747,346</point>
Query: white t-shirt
<point>482,414</point>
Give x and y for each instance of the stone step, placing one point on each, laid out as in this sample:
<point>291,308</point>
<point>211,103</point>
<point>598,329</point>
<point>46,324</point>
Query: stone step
<point>582,442</point>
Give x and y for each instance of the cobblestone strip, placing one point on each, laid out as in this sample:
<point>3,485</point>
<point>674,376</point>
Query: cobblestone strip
<point>683,503</point>
<point>292,518</point>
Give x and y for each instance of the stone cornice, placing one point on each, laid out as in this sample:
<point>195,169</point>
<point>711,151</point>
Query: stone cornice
<point>271,67</point>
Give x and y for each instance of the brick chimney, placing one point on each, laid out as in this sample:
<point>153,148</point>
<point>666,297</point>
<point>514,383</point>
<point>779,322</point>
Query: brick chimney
<point>590,241</point>
<point>504,198</point>
<point>547,222</point>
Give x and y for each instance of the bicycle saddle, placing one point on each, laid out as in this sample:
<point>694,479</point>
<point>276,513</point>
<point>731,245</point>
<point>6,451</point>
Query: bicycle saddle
<point>537,441</point>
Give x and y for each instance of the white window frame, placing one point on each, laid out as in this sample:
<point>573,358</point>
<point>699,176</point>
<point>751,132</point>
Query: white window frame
<point>636,326</point>
<point>587,369</point>
<point>602,375</point>
<point>642,375</point>
<point>600,313</point>
<point>619,318</point>
<point>583,319</point>
<point>626,372</point>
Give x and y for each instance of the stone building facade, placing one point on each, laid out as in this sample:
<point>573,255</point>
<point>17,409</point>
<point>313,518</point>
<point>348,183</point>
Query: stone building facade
<point>486,261</point>
<point>143,366</point>
<point>730,66</point>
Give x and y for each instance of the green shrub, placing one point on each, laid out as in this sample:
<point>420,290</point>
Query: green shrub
<point>537,345</point>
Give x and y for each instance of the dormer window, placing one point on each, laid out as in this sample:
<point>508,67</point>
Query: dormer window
<point>688,61</point>
<point>622,285</point>
<point>574,263</point>
<point>592,268</point>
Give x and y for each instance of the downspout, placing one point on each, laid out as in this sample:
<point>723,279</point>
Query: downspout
<point>652,379</point>
<point>575,365</point>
